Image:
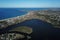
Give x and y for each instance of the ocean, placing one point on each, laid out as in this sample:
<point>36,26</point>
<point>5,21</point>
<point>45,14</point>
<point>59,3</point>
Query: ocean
<point>13,12</point>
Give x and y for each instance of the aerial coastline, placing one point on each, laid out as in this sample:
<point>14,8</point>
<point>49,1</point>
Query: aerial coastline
<point>49,16</point>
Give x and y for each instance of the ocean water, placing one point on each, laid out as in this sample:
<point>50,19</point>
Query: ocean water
<point>13,12</point>
<point>10,12</point>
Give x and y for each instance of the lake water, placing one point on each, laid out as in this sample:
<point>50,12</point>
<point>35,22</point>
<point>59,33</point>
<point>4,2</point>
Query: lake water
<point>40,28</point>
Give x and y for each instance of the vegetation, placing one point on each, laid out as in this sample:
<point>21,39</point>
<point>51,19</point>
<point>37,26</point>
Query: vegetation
<point>23,29</point>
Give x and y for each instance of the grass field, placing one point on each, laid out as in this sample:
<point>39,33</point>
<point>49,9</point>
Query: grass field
<point>24,29</point>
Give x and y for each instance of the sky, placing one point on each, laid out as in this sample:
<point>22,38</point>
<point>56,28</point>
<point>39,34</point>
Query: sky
<point>29,3</point>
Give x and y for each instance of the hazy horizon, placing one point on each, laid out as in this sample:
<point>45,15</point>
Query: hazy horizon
<point>29,3</point>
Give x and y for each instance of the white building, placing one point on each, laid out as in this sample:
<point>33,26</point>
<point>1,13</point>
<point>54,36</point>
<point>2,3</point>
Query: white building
<point>10,21</point>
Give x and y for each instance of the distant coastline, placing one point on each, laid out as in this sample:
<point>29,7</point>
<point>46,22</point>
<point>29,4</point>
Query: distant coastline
<point>13,12</point>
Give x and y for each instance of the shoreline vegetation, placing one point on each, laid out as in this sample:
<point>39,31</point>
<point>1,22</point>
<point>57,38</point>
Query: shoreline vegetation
<point>20,32</point>
<point>24,29</point>
<point>49,16</point>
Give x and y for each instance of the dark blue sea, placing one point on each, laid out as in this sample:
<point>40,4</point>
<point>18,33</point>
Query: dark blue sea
<point>13,12</point>
<point>10,12</point>
<point>41,29</point>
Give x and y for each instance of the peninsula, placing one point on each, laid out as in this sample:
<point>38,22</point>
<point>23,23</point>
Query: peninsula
<point>50,16</point>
